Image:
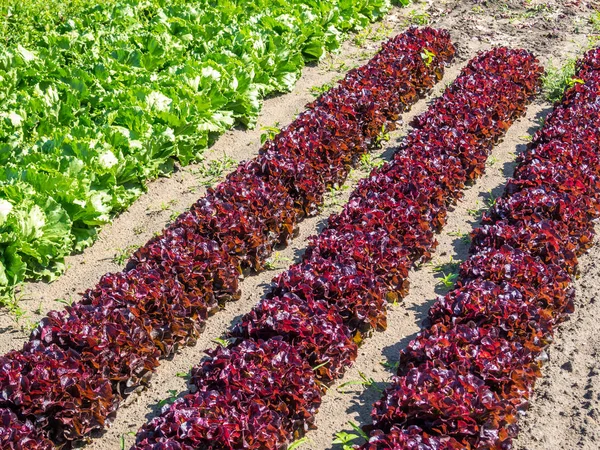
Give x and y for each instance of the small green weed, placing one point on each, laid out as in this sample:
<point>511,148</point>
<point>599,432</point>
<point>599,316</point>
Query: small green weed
<point>448,272</point>
<point>318,366</point>
<point>124,254</point>
<point>556,79</point>
<point>419,17</point>
<point>124,439</point>
<point>476,212</point>
<point>297,443</point>
<point>12,304</point>
<point>393,366</point>
<point>334,196</point>
<point>222,342</point>
<point>448,280</point>
<point>269,133</point>
<point>215,169</point>
<point>368,162</point>
<point>384,136</point>
<point>465,237</point>
<point>170,399</point>
<point>491,199</point>
<point>347,440</point>
<point>185,375</point>
<point>277,261</point>
<point>65,302</point>
<point>318,90</point>
<point>364,381</point>
<point>373,33</point>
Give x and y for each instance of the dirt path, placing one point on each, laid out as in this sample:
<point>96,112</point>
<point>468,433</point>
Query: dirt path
<point>564,413</point>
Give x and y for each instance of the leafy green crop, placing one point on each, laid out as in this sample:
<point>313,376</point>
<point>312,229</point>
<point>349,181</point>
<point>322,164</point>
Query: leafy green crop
<point>96,98</point>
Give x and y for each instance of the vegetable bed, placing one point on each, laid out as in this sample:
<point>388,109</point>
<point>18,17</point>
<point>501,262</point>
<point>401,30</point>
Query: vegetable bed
<point>265,387</point>
<point>476,369</point>
<point>466,378</point>
<point>86,359</point>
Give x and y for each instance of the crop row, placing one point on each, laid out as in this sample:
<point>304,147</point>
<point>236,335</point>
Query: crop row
<point>80,362</point>
<point>94,106</point>
<point>265,387</point>
<point>464,380</point>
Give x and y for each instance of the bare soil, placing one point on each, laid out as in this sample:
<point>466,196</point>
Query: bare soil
<point>564,412</point>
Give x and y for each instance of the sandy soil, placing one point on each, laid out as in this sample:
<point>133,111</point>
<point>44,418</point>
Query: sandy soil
<point>564,413</point>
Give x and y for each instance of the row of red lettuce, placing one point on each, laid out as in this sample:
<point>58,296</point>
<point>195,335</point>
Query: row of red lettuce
<point>264,389</point>
<point>68,380</point>
<point>464,381</point>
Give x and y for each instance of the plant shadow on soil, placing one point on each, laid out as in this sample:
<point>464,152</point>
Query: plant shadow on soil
<point>8,330</point>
